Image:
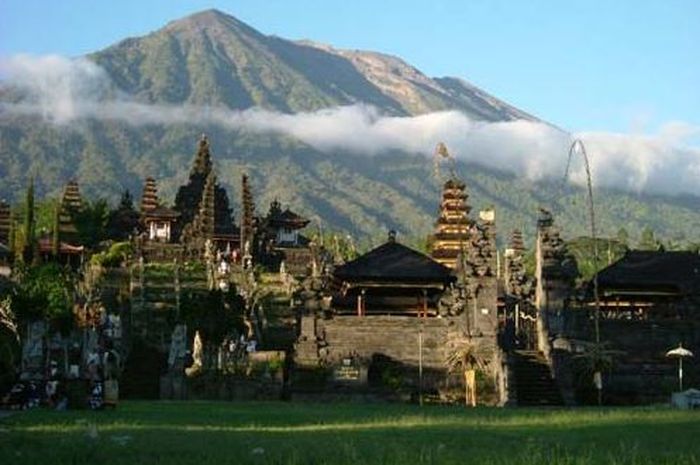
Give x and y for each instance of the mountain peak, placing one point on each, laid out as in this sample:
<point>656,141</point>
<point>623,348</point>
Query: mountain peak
<point>210,19</point>
<point>205,17</point>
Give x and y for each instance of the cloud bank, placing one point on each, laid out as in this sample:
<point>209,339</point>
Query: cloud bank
<point>64,91</point>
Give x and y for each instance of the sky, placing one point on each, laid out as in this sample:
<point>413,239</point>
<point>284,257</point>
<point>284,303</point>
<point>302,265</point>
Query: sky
<point>627,66</point>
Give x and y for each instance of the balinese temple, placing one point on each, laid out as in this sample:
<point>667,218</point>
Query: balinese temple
<point>388,308</point>
<point>285,226</point>
<point>649,304</point>
<point>648,285</point>
<point>5,223</point>
<point>5,230</point>
<point>247,214</point>
<point>156,219</point>
<point>65,245</point>
<point>71,204</point>
<point>284,241</point>
<point>452,228</point>
<point>212,214</point>
<point>392,279</point>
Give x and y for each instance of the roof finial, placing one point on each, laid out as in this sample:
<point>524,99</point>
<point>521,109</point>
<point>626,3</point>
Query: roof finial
<point>392,236</point>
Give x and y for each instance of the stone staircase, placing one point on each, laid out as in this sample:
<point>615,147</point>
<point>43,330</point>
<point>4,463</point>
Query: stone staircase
<point>280,318</point>
<point>153,314</point>
<point>154,298</point>
<point>141,376</point>
<point>533,380</point>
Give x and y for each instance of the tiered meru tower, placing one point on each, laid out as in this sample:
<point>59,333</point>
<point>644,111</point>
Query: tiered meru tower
<point>203,206</point>
<point>71,203</point>
<point>452,228</point>
<point>5,222</point>
<point>149,199</point>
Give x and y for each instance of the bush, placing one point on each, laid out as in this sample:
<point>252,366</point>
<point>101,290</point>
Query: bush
<point>117,254</point>
<point>45,292</point>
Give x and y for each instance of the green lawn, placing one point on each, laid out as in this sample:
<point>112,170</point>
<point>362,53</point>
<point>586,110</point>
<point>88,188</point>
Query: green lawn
<point>299,433</point>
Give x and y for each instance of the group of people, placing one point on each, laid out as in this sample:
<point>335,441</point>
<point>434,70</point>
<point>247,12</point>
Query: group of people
<point>35,393</point>
<point>102,371</point>
<point>96,388</point>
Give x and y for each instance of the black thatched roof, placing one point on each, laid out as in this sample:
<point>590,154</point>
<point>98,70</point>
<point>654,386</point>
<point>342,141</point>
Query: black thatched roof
<point>162,212</point>
<point>653,271</point>
<point>393,262</point>
<point>288,219</point>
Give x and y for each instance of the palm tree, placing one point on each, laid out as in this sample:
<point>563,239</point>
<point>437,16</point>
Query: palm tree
<point>596,358</point>
<point>462,358</point>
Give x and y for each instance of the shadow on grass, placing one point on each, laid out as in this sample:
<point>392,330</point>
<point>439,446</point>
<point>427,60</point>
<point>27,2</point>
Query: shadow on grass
<point>281,433</point>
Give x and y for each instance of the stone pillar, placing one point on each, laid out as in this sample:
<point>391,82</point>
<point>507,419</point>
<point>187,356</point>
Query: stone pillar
<point>306,347</point>
<point>483,260</point>
<point>554,272</point>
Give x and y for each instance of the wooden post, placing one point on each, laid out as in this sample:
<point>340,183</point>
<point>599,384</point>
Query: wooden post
<point>420,366</point>
<point>466,388</point>
<point>470,382</point>
<point>364,302</point>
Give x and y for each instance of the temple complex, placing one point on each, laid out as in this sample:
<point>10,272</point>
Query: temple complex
<point>392,323</point>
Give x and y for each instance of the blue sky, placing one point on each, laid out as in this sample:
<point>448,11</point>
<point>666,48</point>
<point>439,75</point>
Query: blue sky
<point>621,66</point>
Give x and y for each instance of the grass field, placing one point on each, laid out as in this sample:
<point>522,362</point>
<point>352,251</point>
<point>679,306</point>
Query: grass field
<point>293,433</point>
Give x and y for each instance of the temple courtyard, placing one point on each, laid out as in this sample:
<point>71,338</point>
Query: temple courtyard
<point>310,433</point>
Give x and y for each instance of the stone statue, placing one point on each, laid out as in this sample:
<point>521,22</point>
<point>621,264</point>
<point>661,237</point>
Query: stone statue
<point>452,302</point>
<point>247,257</point>
<point>178,349</point>
<point>33,351</point>
<point>197,356</point>
<point>314,269</point>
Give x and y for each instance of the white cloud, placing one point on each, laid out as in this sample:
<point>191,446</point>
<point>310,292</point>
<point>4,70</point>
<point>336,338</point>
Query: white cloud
<point>63,91</point>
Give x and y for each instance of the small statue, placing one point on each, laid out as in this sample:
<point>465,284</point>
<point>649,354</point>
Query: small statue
<point>178,349</point>
<point>247,257</point>
<point>197,356</point>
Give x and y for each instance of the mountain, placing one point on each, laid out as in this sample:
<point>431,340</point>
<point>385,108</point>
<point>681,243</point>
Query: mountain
<point>213,60</point>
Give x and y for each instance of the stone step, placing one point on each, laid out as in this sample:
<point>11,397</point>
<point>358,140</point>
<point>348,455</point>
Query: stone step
<point>533,381</point>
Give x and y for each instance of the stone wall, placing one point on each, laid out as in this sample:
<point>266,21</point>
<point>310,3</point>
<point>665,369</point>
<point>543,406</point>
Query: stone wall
<point>388,344</point>
<point>392,336</point>
<point>641,373</point>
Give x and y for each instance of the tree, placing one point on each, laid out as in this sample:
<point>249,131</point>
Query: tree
<point>648,241</point>
<point>9,343</point>
<point>623,237</point>
<point>44,292</point>
<point>463,358</point>
<point>91,222</point>
<point>124,219</point>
